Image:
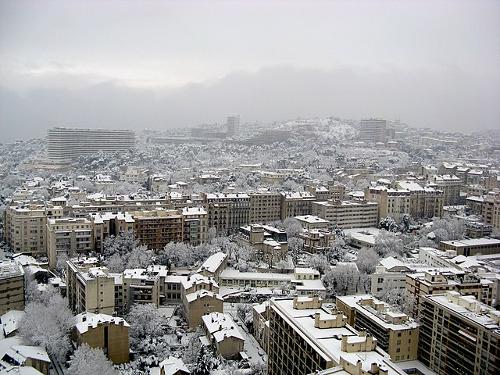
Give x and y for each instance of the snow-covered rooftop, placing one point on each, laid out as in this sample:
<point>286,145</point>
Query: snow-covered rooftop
<point>213,262</point>
<point>221,326</point>
<point>87,320</point>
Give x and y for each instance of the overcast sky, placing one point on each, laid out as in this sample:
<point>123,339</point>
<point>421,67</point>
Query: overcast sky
<point>163,64</point>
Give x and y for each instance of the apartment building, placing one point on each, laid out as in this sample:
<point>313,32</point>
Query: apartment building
<point>373,130</point>
<point>67,144</point>
<point>90,288</point>
<point>407,198</point>
<point>296,204</point>
<point>106,224</point>
<point>426,202</point>
<point>11,286</point>
<point>72,236</point>
<point>227,212</point>
<point>265,207</point>
<point>138,286</point>
<point>393,203</point>
<point>109,333</point>
<point>420,284</point>
<point>155,229</point>
<point>459,335</point>
<point>337,191</point>
<point>95,289</point>
<point>306,336</point>
<point>475,246</point>
<point>450,185</point>
<point>25,227</point>
<point>395,331</point>
<point>348,214</point>
<point>195,225</point>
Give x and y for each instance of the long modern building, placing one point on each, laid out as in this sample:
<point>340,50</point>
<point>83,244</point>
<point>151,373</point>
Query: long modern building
<point>67,144</point>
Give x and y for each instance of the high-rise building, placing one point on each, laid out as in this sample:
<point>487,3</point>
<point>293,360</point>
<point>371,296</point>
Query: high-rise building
<point>459,335</point>
<point>233,125</point>
<point>395,331</point>
<point>67,144</point>
<point>25,230</point>
<point>306,336</point>
<point>373,130</point>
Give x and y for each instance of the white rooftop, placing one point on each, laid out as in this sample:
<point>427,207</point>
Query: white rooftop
<point>87,320</point>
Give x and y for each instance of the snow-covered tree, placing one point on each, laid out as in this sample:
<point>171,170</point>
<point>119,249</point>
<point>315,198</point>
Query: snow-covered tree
<point>212,234</point>
<point>244,312</point>
<point>89,361</point>
<point>295,247</point>
<point>47,323</point>
<point>387,243</point>
<point>338,249</point>
<point>292,227</point>
<point>389,224</point>
<point>205,362</point>
<point>61,263</point>
<point>319,262</point>
<point>145,324</point>
<point>122,244</point>
<point>193,348</point>
<point>367,260</point>
<point>341,280</point>
<point>398,297</point>
<point>140,257</point>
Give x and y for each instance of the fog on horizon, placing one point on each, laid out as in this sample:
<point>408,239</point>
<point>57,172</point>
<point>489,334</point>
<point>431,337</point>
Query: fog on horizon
<point>130,64</point>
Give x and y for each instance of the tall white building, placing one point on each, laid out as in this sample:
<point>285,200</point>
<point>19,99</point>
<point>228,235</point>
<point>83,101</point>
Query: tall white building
<point>67,144</point>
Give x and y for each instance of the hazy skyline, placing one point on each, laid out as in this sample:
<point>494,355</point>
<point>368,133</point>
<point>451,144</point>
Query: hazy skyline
<point>164,64</point>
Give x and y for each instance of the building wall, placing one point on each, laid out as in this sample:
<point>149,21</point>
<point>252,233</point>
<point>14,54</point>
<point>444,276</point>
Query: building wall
<point>199,307</point>
<point>11,293</point>
<point>112,338</point>
<point>445,350</point>
<point>264,207</point>
<point>70,236</point>
<point>230,347</point>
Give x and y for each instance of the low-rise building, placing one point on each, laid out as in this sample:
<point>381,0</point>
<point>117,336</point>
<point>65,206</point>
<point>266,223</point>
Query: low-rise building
<point>223,333</point>
<point>214,265</point>
<point>109,333</point>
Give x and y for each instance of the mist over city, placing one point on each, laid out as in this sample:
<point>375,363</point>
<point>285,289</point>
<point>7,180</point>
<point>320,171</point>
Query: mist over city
<point>249,187</point>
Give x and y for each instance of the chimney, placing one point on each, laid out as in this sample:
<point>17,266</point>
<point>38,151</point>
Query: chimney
<point>343,344</point>
<point>374,368</point>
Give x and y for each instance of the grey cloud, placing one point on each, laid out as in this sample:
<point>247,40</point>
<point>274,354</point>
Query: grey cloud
<point>445,99</point>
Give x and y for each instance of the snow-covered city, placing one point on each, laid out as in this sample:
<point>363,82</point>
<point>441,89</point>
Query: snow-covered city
<point>305,245</point>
